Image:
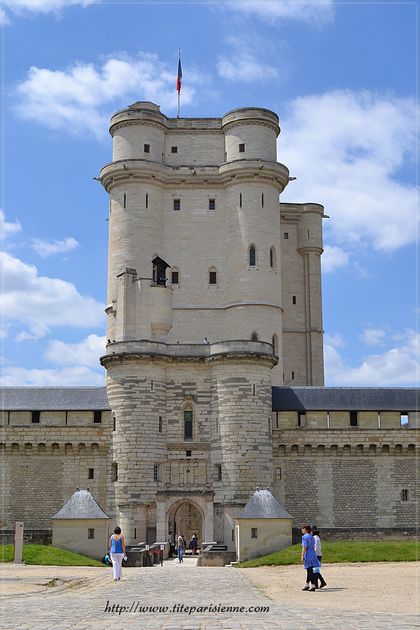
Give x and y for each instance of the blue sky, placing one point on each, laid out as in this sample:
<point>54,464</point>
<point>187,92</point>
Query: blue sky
<point>342,78</point>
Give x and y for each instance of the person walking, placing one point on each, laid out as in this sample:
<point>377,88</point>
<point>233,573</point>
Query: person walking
<point>180,547</point>
<point>318,551</point>
<point>193,544</point>
<point>308,557</point>
<point>117,552</point>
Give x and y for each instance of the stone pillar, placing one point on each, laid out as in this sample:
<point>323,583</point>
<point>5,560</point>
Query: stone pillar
<point>18,542</point>
<point>208,522</point>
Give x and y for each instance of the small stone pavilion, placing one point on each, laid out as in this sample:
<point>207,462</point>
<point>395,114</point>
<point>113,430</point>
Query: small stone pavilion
<point>81,526</point>
<point>262,527</point>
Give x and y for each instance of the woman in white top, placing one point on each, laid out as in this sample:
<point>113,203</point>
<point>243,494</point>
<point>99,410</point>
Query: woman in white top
<point>318,551</point>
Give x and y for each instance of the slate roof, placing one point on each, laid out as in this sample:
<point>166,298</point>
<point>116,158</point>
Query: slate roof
<point>346,399</point>
<point>262,504</point>
<point>81,505</point>
<point>53,398</point>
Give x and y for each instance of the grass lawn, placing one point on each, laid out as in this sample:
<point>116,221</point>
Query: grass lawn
<point>369,551</point>
<point>47,555</point>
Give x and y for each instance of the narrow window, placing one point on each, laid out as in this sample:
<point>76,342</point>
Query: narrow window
<point>91,473</point>
<point>177,204</point>
<point>254,532</point>
<point>404,495</point>
<point>97,417</point>
<point>114,423</point>
<point>253,389</point>
<point>212,204</point>
<point>212,277</point>
<point>147,148</point>
<point>252,256</point>
<point>125,201</point>
<point>91,533</point>
<point>308,233</point>
<point>286,235</point>
<point>262,200</point>
<point>188,424</point>
<point>35,417</point>
<point>152,385</point>
<point>175,277</point>
<point>293,376</point>
<point>301,419</point>
<point>188,453</point>
<point>404,419</point>
<point>353,418</point>
<point>135,533</point>
<point>275,344</point>
<point>156,472</point>
<point>147,200</point>
<point>160,424</point>
<point>114,471</point>
<point>242,148</point>
<point>278,474</point>
<point>240,200</point>
<point>273,261</point>
<point>219,472</point>
<point>174,149</point>
<point>293,299</point>
<point>233,535</point>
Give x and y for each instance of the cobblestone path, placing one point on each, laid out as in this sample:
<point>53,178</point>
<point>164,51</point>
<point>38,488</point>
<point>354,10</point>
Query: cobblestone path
<point>101,604</point>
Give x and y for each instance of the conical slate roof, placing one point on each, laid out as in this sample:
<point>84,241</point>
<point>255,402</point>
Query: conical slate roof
<point>81,505</point>
<point>262,504</point>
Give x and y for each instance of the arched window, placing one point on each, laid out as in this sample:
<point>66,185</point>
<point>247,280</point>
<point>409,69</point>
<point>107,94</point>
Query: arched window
<point>254,336</point>
<point>273,258</point>
<point>275,344</point>
<point>188,423</point>
<point>212,275</point>
<point>252,258</point>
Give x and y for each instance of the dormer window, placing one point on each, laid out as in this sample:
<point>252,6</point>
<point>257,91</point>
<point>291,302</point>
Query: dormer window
<point>159,271</point>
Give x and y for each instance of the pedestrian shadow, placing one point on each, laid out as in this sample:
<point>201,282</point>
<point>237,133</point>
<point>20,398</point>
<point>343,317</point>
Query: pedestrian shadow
<point>331,590</point>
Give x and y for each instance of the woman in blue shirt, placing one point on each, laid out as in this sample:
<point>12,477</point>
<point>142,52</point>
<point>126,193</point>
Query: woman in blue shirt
<point>117,552</point>
<point>309,559</point>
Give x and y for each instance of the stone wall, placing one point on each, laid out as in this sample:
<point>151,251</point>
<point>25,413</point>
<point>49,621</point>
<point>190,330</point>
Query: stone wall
<point>348,479</point>
<point>43,464</point>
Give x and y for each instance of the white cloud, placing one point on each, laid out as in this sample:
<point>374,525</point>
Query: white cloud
<point>20,7</point>
<point>4,20</point>
<point>6,229</point>
<point>83,97</point>
<point>317,11</point>
<point>85,353</point>
<point>76,375</point>
<point>243,66</point>
<point>333,258</point>
<point>347,150</point>
<point>398,365</point>
<point>373,336</point>
<point>40,302</point>
<point>49,248</point>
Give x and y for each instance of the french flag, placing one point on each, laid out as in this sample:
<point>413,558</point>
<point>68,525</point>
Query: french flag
<point>179,77</point>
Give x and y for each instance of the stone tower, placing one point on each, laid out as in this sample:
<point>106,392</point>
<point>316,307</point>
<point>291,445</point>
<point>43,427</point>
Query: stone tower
<point>195,252</point>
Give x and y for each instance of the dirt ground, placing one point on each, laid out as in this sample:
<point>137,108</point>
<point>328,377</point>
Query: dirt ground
<point>382,587</point>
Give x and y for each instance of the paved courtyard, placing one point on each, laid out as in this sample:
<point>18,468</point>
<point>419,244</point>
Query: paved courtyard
<point>84,598</point>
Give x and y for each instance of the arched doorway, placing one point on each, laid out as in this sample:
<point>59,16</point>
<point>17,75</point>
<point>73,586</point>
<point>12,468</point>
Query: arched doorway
<point>186,518</point>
